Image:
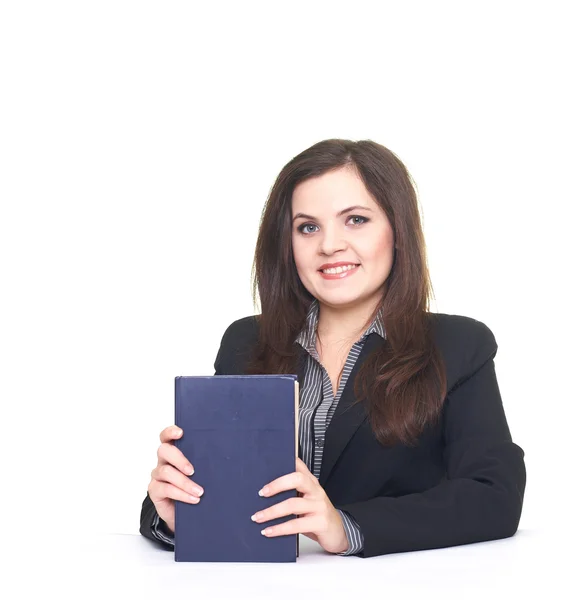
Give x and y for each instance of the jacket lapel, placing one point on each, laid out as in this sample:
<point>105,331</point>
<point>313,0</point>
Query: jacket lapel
<point>348,415</point>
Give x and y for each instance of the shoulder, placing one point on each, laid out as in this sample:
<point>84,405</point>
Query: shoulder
<point>241,331</point>
<point>466,345</point>
<point>236,343</point>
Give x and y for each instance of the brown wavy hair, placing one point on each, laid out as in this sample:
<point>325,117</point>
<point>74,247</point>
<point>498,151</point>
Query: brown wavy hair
<point>403,383</point>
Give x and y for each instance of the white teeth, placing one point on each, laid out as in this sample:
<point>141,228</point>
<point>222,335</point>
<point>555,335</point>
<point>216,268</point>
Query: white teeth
<point>336,270</point>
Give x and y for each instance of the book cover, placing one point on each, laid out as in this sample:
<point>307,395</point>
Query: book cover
<point>240,433</point>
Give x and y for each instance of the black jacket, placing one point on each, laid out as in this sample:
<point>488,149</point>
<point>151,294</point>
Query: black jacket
<point>463,483</point>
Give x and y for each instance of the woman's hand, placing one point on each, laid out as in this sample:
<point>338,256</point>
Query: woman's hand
<point>169,483</point>
<point>319,519</point>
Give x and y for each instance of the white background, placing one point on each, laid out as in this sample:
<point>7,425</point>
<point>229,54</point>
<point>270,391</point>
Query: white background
<point>138,144</point>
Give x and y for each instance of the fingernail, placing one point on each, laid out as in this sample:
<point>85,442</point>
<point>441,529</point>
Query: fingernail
<point>266,531</point>
<point>189,470</point>
<point>264,491</point>
<point>198,491</point>
<point>194,498</point>
<point>256,516</point>
<point>177,431</point>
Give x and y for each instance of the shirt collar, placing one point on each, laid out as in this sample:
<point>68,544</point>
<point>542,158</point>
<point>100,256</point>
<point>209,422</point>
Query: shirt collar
<point>306,337</point>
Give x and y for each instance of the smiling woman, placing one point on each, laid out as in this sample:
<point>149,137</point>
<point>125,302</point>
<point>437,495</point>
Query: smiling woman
<point>351,205</point>
<point>403,439</point>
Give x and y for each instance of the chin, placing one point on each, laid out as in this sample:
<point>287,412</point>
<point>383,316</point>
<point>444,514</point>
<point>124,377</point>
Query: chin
<point>340,298</point>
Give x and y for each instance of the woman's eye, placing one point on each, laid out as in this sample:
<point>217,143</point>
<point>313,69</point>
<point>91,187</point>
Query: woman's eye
<point>301,228</point>
<point>364,219</point>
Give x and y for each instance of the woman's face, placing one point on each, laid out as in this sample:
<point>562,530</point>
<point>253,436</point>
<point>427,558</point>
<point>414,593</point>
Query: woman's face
<point>361,236</point>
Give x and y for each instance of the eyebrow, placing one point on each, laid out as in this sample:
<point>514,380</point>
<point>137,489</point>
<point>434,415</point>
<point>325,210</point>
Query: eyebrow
<point>339,214</point>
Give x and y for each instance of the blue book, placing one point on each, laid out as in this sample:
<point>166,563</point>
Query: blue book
<point>240,433</point>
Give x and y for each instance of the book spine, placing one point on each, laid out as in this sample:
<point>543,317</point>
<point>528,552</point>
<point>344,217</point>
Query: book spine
<point>177,444</point>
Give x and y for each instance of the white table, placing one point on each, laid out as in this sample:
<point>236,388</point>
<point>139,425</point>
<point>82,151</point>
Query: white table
<point>530,564</point>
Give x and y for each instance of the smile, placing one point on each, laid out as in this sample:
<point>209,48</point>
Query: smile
<point>339,272</point>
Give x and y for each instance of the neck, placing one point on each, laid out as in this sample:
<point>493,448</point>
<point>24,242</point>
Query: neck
<point>338,324</point>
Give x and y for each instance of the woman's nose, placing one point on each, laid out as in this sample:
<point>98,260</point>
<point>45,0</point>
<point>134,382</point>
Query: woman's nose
<point>332,240</point>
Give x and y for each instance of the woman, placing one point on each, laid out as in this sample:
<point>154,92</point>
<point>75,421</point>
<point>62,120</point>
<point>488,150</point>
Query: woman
<point>404,443</point>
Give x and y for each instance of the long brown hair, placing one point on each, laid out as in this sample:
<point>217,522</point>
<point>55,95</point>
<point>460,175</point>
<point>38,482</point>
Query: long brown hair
<point>403,383</point>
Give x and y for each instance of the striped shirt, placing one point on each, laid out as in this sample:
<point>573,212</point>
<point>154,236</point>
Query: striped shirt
<point>317,405</point>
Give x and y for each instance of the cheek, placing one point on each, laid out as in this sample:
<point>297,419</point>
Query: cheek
<point>384,247</point>
<point>373,246</point>
<point>298,257</point>
<point>378,249</point>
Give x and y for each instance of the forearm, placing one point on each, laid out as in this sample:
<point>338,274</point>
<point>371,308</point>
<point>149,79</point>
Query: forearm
<point>354,536</point>
<point>455,512</point>
<point>152,527</point>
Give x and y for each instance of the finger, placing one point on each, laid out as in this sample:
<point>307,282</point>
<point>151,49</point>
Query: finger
<point>291,506</point>
<point>160,490</point>
<point>292,481</point>
<point>168,453</point>
<point>292,527</point>
<point>302,468</point>
<point>167,473</point>
<point>170,433</point>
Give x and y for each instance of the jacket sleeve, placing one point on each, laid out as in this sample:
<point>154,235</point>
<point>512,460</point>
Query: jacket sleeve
<point>482,495</point>
<point>151,526</point>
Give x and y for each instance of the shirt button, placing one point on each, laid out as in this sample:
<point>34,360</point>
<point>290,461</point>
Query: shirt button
<point>319,442</point>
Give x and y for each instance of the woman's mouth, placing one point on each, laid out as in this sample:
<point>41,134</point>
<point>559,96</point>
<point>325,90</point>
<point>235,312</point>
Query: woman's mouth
<point>339,272</point>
